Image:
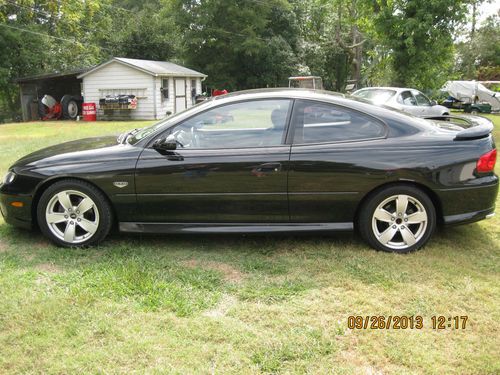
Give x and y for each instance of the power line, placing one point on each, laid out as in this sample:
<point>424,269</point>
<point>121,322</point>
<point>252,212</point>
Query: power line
<point>73,41</point>
<point>83,29</point>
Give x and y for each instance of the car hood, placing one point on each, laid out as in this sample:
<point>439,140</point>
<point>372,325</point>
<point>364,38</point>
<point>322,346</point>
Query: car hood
<point>86,150</point>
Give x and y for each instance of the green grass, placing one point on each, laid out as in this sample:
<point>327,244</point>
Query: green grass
<point>239,304</point>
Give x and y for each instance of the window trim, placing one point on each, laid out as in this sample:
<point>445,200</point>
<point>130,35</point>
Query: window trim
<point>150,143</point>
<point>378,120</point>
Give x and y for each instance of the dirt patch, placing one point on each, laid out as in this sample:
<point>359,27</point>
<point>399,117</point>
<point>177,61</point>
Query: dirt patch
<point>48,267</point>
<point>3,247</point>
<point>230,273</point>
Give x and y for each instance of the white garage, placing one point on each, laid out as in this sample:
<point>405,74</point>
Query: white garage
<point>159,87</point>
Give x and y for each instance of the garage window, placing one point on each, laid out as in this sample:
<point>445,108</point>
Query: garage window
<point>164,89</point>
<point>318,122</point>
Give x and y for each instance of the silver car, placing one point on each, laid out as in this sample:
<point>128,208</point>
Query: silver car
<point>407,100</point>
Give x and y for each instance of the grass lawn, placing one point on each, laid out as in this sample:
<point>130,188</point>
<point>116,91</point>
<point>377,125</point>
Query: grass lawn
<point>239,304</point>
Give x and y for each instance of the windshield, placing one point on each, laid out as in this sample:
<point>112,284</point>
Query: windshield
<point>377,96</point>
<point>139,134</point>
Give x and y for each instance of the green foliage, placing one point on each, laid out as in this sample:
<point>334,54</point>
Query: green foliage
<point>250,43</point>
<point>478,57</point>
<point>232,304</point>
<point>419,36</point>
<point>244,44</point>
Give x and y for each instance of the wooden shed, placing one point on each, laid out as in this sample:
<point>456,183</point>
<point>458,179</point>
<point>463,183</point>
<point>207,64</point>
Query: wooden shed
<point>161,87</point>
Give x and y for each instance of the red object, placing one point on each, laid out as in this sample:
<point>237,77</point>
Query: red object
<point>53,113</point>
<point>89,112</point>
<point>486,162</point>
<point>219,92</point>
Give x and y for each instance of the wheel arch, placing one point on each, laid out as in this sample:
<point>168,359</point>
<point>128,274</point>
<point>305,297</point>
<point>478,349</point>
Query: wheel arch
<point>41,188</point>
<point>431,194</point>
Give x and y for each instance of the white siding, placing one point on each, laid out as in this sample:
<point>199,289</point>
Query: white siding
<point>120,79</point>
<point>167,105</point>
<point>164,104</point>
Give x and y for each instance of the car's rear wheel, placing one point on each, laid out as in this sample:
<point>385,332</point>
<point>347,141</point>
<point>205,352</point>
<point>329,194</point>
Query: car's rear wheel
<point>397,219</point>
<point>74,213</point>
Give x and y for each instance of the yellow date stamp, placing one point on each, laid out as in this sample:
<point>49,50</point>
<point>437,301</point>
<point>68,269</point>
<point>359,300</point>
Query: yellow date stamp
<point>437,322</point>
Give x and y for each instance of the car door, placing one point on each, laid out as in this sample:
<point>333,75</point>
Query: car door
<point>424,104</point>
<point>230,165</point>
<point>331,146</point>
<point>408,103</point>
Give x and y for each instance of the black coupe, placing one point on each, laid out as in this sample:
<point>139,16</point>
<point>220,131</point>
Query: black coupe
<point>278,160</point>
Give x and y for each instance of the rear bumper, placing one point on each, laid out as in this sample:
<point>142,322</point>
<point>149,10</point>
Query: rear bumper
<point>468,205</point>
<point>17,216</point>
<point>469,217</point>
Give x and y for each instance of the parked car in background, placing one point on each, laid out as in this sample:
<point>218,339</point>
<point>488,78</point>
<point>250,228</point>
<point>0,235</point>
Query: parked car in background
<point>407,100</point>
<point>276,160</point>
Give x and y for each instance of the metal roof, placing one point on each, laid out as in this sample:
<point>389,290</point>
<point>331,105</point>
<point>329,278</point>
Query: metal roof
<point>51,75</point>
<point>155,68</point>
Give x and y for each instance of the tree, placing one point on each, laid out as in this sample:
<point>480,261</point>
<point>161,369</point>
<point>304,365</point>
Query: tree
<point>239,44</point>
<point>36,37</point>
<point>419,36</point>
<point>143,30</point>
<point>478,57</point>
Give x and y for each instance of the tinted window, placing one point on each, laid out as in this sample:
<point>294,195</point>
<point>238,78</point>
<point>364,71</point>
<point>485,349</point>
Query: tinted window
<point>256,123</point>
<point>407,98</point>
<point>317,122</point>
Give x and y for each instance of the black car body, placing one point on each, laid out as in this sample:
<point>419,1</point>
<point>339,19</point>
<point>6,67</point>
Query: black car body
<point>296,160</point>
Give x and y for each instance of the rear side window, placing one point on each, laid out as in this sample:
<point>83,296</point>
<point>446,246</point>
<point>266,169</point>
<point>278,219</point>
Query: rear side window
<point>378,96</point>
<point>318,122</point>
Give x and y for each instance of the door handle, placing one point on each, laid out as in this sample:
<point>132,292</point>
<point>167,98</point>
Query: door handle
<point>268,168</point>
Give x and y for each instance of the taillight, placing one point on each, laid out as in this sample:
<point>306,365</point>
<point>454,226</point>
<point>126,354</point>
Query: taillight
<point>486,162</point>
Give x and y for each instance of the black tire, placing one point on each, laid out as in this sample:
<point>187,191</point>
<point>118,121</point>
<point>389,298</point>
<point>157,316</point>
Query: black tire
<point>419,203</point>
<point>70,108</point>
<point>101,216</point>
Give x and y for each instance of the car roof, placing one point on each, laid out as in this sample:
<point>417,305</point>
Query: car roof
<point>281,91</point>
<point>387,88</point>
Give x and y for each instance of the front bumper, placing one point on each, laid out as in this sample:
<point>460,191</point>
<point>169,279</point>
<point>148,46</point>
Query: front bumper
<point>17,216</point>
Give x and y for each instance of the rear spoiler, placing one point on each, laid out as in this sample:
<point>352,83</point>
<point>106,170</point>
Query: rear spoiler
<point>475,127</point>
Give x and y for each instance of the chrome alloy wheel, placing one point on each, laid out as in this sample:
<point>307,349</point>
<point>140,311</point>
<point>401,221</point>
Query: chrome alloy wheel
<point>72,216</point>
<point>399,221</point>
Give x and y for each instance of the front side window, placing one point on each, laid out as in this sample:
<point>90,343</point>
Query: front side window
<point>421,99</point>
<point>407,98</point>
<point>317,122</point>
<point>256,123</point>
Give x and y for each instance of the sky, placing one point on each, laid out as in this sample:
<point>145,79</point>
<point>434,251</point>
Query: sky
<point>487,9</point>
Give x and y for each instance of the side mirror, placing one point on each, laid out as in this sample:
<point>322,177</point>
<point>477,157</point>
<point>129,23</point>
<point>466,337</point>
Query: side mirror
<point>165,145</point>
<point>433,102</point>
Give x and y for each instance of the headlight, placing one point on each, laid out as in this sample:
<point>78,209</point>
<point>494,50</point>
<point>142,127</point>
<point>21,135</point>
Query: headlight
<point>9,178</point>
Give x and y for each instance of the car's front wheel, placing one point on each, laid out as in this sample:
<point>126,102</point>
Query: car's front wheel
<point>397,219</point>
<point>74,213</point>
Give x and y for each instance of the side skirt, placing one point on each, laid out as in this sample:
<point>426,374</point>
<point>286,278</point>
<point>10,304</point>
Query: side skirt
<point>232,227</point>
